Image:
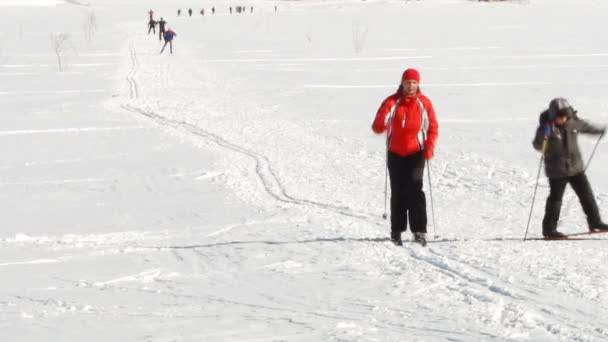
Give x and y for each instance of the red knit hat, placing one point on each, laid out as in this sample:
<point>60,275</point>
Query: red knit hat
<point>410,74</point>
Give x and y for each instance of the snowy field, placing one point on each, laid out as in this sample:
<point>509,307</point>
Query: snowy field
<point>233,191</point>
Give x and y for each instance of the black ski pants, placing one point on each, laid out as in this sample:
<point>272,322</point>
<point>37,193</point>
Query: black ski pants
<point>151,28</point>
<point>161,33</point>
<point>170,42</point>
<point>407,197</point>
<point>581,187</point>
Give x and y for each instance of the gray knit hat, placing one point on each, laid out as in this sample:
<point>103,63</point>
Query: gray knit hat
<point>560,107</point>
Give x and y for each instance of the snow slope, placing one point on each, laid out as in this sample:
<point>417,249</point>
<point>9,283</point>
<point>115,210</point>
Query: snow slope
<point>233,191</point>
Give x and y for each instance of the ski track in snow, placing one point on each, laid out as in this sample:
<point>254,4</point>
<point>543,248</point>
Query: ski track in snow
<point>263,167</point>
<point>70,130</point>
<point>517,304</point>
<point>133,87</point>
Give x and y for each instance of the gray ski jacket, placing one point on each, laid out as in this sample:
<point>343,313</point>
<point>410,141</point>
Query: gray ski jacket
<point>562,155</point>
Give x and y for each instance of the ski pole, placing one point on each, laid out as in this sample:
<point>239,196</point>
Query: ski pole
<point>591,156</point>
<point>385,215</point>
<point>428,162</point>
<point>540,164</point>
<point>593,152</point>
<point>388,123</point>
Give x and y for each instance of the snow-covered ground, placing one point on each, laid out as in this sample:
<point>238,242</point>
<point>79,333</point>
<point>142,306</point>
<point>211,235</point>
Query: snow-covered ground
<point>233,191</point>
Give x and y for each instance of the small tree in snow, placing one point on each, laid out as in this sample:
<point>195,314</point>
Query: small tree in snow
<point>60,43</point>
<point>309,35</point>
<point>90,26</point>
<point>359,37</point>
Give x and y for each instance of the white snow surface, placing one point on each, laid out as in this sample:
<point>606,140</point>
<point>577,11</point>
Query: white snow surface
<point>233,191</point>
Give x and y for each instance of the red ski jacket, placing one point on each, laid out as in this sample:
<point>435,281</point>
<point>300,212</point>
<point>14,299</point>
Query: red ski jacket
<point>411,124</point>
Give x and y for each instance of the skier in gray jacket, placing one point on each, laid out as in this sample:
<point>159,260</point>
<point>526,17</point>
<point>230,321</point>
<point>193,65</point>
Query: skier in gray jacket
<point>557,138</point>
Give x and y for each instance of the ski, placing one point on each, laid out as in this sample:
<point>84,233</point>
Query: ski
<point>401,243</point>
<point>560,238</point>
<point>565,238</point>
<point>591,232</point>
<point>573,236</point>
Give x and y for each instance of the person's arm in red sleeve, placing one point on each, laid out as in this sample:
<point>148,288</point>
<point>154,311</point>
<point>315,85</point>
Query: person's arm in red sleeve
<point>380,124</point>
<point>432,133</point>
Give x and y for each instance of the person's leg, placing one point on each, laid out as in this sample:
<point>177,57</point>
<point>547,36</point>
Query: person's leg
<point>416,200</point>
<point>398,204</point>
<point>581,187</point>
<point>163,49</point>
<point>171,46</point>
<point>554,204</point>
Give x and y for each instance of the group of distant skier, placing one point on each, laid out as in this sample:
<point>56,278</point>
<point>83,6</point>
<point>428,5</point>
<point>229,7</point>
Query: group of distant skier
<point>409,121</point>
<point>202,12</point>
<point>236,9</point>
<point>164,32</point>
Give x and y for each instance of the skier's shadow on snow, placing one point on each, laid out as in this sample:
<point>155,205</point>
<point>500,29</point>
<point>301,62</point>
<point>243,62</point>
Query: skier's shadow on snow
<point>331,240</point>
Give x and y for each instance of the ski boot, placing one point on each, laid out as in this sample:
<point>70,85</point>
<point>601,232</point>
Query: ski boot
<point>598,227</point>
<point>553,234</point>
<point>396,238</point>
<point>420,238</point>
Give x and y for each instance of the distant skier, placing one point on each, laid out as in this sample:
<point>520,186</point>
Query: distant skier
<point>151,26</point>
<point>161,28</point>
<point>151,14</point>
<point>409,119</point>
<point>203,12</point>
<point>169,35</point>
<point>251,9</point>
<point>557,137</point>
<point>179,12</point>
<point>189,12</point>
<point>230,9</point>
<point>213,10</point>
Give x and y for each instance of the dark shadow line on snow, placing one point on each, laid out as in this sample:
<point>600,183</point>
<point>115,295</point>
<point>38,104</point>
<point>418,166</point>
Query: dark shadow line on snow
<point>336,240</point>
<point>229,243</point>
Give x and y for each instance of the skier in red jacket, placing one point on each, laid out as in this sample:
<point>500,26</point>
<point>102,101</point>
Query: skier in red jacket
<point>409,120</point>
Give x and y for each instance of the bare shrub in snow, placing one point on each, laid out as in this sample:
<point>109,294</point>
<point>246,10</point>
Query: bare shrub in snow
<point>359,37</point>
<point>309,35</point>
<point>90,26</point>
<point>61,45</point>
